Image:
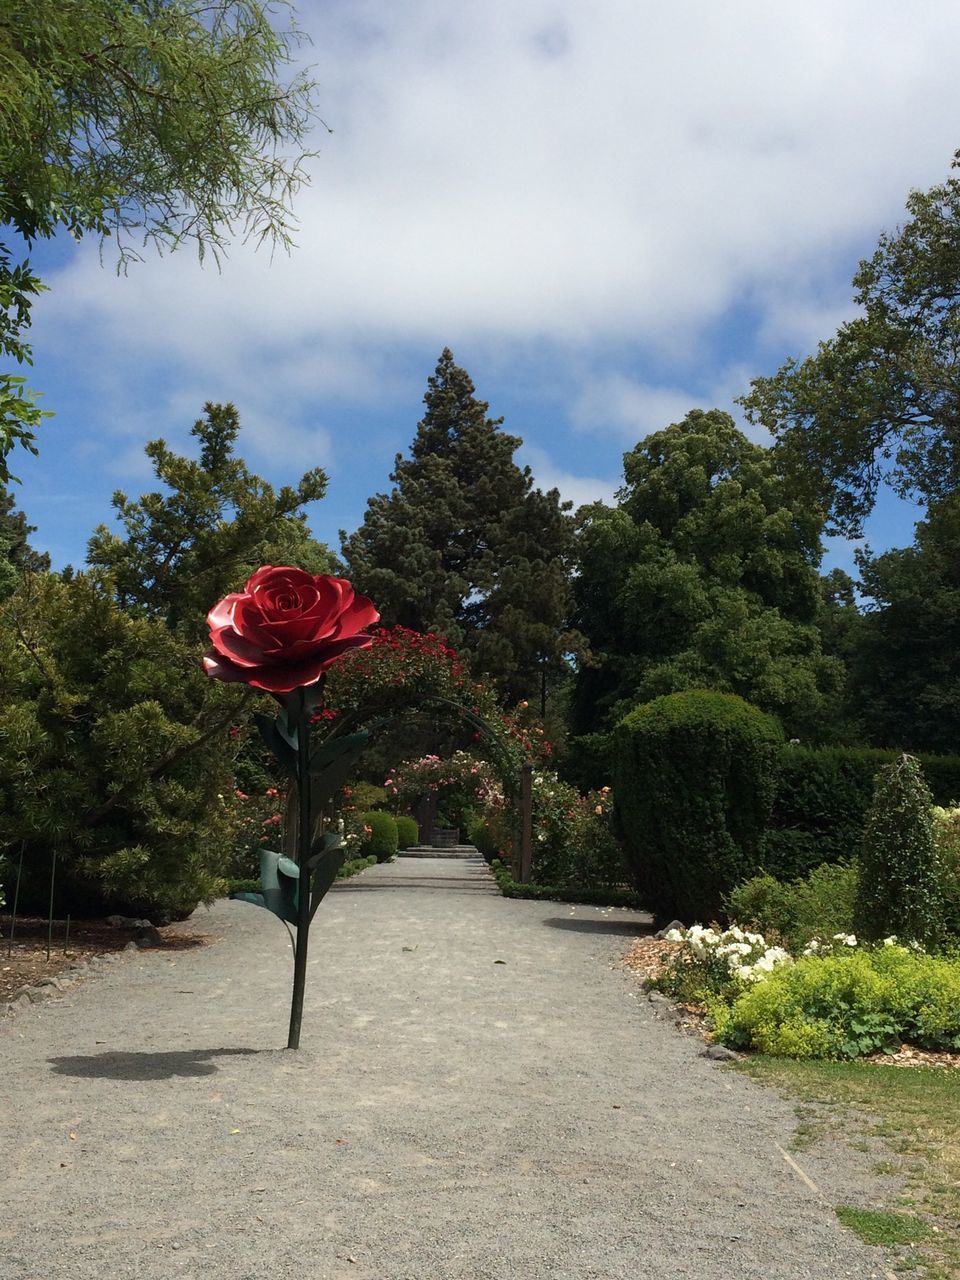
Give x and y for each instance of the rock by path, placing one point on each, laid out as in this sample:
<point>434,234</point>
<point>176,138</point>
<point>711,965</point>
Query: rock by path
<point>449,1116</point>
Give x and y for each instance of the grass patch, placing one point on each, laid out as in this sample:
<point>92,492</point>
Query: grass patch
<point>916,1111</point>
<point>880,1226</point>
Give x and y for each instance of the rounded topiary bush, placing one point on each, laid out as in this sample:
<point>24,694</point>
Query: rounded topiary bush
<point>408,832</point>
<point>695,776</point>
<point>382,842</point>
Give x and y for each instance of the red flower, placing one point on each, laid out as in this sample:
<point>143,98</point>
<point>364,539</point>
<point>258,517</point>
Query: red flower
<point>285,628</point>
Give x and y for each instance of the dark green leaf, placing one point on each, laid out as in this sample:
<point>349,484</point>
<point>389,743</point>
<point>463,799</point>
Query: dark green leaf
<point>269,729</point>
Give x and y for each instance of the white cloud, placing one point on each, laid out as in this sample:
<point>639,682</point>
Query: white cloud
<point>634,409</point>
<point>548,170</point>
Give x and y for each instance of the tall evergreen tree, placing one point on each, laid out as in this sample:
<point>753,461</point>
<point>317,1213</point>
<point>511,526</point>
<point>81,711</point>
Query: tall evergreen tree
<point>465,546</point>
<point>704,576</point>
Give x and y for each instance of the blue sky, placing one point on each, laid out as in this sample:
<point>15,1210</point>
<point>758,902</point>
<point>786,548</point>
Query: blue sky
<point>610,213</point>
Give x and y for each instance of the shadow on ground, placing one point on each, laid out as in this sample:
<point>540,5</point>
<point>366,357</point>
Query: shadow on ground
<point>143,1066</point>
<point>626,928</point>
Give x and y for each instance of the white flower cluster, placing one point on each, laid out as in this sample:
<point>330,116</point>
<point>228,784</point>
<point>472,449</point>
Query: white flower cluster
<point>840,941</point>
<point>746,955</point>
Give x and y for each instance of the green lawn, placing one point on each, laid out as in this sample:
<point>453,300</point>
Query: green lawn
<point>916,1110</point>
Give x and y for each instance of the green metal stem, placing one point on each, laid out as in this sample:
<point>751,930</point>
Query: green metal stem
<point>303,891</point>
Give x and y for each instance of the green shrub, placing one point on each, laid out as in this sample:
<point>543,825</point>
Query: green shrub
<point>354,866</point>
<point>848,1005</point>
<point>695,777</point>
<point>900,886</point>
<point>382,841</point>
<point>366,796</point>
<point>408,832</point>
<point>110,756</point>
<point>481,834</point>
<point>822,800</point>
<point>946,837</point>
<point>816,906</point>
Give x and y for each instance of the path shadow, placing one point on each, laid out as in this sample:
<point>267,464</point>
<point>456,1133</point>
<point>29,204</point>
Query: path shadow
<point>116,1065</point>
<point>626,928</point>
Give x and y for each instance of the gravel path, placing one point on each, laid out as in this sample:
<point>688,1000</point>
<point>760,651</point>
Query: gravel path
<point>448,1116</point>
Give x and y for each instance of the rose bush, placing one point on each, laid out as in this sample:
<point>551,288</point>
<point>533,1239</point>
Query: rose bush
<point>285,629</point>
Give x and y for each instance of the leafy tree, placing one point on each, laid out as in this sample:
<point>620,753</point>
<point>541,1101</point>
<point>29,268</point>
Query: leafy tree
<point>703,576</point>
<point>16,554</point>
<point>881,399</point>
<point>466,547</point>
<point>905,666</point>
<point>214,524</point>
<point>165,120</point>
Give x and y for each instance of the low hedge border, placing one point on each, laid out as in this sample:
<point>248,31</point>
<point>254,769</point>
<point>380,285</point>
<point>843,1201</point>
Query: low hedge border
<point>511,888</point>
<point>350,868</point>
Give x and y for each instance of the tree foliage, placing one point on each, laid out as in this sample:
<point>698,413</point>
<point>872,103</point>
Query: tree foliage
<point>213,523</point>
<point>466,547</point>
<point>162,121</point>
<point>703,576</point>
<point>114,750</point>
<point>905,663</point>
<point>112,753</point>
<point>880,400</point>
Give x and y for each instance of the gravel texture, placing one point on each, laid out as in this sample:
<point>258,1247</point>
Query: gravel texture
<point>448,1115</point>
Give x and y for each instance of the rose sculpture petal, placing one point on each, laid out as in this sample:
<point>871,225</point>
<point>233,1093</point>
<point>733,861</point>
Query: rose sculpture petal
<point>285,628</point>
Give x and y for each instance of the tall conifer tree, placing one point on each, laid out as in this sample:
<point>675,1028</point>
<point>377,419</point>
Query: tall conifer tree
<point>464,544</point>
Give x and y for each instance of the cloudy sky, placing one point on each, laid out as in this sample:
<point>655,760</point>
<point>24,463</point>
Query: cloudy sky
<point>611,213</point>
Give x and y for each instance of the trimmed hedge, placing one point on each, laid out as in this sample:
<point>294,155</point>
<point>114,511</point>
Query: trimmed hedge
<point>695,778</point>
<point>822,799</point>
<point>382,843</point>
<point>408,831</point>
<point>511,888</point>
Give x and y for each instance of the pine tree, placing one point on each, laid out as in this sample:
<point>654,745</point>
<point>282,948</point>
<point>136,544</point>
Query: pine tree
<point>465,546</point>
<point>217,522</point>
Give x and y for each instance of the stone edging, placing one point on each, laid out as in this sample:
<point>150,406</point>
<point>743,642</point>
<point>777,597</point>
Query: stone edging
<point>37,992</point>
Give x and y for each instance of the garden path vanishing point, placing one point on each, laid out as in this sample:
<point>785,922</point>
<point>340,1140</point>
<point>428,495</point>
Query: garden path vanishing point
<point>482,1092</point>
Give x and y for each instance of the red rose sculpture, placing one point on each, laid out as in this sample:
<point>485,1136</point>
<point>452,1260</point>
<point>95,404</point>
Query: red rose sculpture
<point>285,628</point>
